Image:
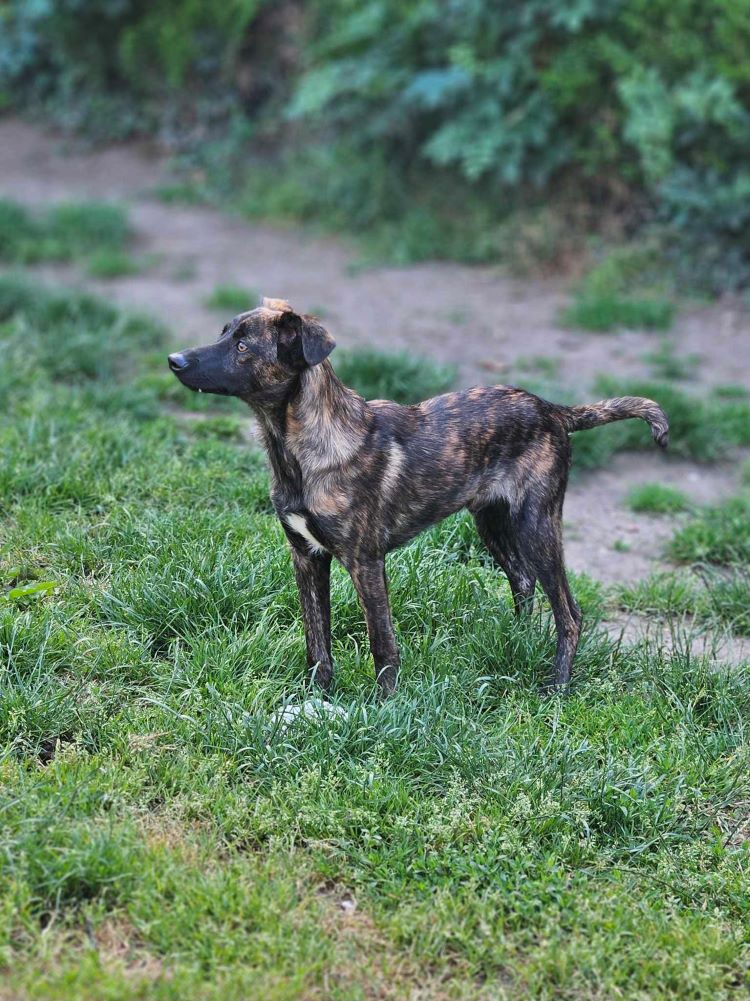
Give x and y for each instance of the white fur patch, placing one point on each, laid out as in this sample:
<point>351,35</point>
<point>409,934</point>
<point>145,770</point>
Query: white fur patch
<point>393,469</point>
<point>298,524</point>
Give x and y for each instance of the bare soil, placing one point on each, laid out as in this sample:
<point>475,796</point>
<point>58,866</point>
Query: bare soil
<point>479,318</point>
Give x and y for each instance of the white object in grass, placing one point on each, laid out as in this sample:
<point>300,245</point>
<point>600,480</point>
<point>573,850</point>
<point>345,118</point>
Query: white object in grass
<point>311,709</point>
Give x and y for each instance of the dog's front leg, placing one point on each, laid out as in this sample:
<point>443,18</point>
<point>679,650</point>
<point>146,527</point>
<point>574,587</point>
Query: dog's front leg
<point>370,583</point>
<point>313,574</point>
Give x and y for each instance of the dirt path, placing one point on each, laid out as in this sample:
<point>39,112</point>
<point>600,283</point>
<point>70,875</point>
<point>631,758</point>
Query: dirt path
<point>475,316</point>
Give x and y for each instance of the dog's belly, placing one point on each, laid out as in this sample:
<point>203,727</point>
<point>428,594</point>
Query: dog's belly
<point>426,503</point>
<point>420,511</point>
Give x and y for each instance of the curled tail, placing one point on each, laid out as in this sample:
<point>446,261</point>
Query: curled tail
<point>592,415</point>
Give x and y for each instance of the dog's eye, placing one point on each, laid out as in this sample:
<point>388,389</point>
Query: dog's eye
<point>241,346</point>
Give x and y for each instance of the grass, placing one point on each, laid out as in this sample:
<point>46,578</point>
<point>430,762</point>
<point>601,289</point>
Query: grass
<point>181,193</point>
<point>664,594</point>
<point>164,837</point>
<point>666,363</point>
<point>226,427</point>
<point>397,375</point>
<point>656,498</point>
<point>115,263</point>
<point>232,299</point>
<point>616,294</point>
<point>731,392</point>
<point>65,232</point>
<point>716,544</point>
<point>544,366</point>
<point>604,312</point>
<point>709,597</point>
<point>702,428</point>
<point>719,534</point>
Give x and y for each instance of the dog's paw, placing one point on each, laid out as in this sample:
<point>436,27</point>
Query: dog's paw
<point>387,679</point>
<point>553,687</point>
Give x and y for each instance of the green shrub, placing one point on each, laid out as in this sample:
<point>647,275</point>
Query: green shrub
<point>104,64</point>
<point>428,125</point>
<point>511,102</point>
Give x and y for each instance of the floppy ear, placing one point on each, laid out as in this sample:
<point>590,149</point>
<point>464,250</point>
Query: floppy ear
<point>317,343</point>
<point>302,340</point>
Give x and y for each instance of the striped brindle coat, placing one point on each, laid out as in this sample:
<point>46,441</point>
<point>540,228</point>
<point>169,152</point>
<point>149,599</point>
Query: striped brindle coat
<point>354,479</point>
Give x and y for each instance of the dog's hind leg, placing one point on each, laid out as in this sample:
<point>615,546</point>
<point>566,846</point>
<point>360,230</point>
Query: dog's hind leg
<point>496,529</point>
<point>540,541</point>
<point>372,590</point>
<point>313,574</point>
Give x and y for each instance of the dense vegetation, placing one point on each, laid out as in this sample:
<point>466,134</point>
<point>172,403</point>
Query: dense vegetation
<point>164,835</point>
<point>461,128</point>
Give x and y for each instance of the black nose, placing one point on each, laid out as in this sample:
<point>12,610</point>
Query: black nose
<point>177,362</point>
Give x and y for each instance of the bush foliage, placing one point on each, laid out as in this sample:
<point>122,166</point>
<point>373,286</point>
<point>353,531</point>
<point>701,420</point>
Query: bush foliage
<point>638,107</point>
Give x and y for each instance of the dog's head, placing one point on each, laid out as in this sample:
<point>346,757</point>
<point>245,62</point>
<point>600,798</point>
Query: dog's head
<point>257,355</point>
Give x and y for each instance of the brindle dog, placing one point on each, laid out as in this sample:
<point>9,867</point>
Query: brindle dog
<point>355,479</point>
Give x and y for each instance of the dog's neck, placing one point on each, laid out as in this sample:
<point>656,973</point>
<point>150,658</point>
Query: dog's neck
<point>317,427</point>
